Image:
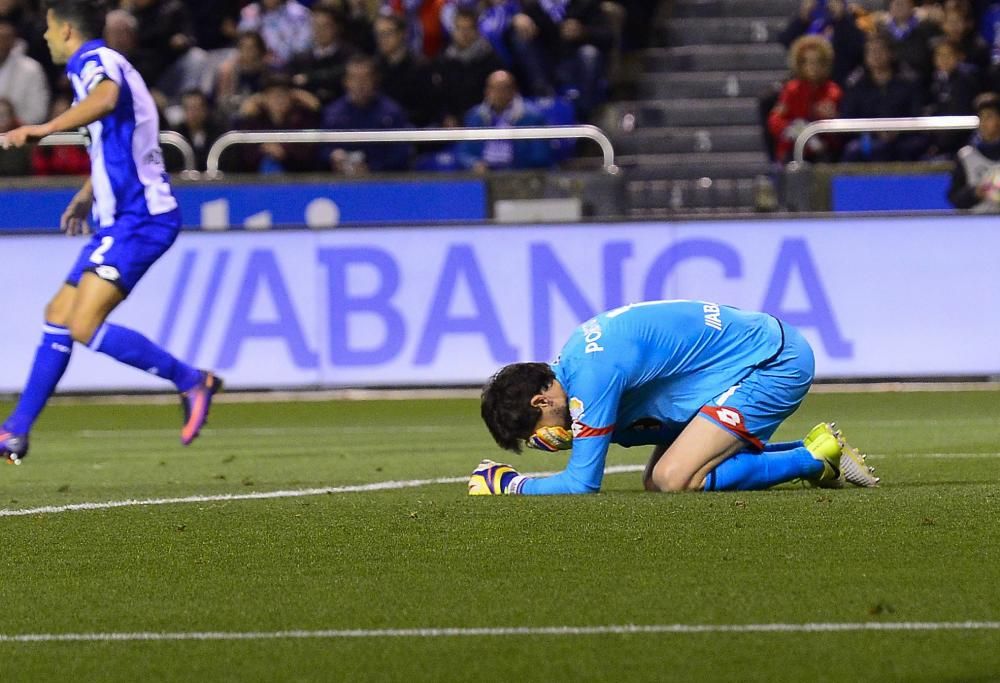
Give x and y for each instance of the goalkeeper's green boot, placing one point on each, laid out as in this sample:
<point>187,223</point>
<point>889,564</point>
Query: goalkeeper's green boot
<point>825,447</point>
<point>852,463</point>
<point>854,469</point>
<point>819,430</point>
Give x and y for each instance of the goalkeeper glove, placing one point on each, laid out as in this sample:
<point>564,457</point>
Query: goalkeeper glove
<point>494,479</point>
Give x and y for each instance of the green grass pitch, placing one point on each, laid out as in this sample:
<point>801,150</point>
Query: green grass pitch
<point>925,547</point>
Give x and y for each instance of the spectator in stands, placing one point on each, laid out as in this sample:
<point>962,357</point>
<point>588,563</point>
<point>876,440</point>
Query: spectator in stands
<point>199,125</point>
<point>517,39</point>
<point>121,32</point>
<point>14,161</point>
<point>362,107</point>
<point>22,80</point>
<point>284,24</point>
<point>910,37</point>
<point>975,180</point>
<point>810,95</point>
<point>503,107</point>
<point>835,21</point>
<point>461,72</point>
<point>580,58</point>
<point>214,22</point>
<point>320,69</point>
<point>30,25</point>
<point>165,40</point>
<point>60,160</point>
<point>279,106</point>
<point>952,91</point>
<point>16,13</point>
<point>424,21</point>
<point>358,16</point>
<point>405,76</point>
<point>882,89</point>
<point>958,29</point>
<point>241,75</point>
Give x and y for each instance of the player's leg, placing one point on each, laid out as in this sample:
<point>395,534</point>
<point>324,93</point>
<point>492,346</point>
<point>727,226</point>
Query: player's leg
<point>755,408</point>
<point>700,448</point>
<point>50,362</point>
<point>749,413</point>
<point>95,301</point>
<point>127,251</point>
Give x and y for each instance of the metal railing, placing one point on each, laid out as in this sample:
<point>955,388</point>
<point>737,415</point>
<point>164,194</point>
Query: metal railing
<point>167,137</point>
<point>242,137</point>
<point>902,124</point>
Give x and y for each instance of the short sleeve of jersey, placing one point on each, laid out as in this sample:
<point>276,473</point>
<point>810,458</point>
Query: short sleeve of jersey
<point>96,67</point>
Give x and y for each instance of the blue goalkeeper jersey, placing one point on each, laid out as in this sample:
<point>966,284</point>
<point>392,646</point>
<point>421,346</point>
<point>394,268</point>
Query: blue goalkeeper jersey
<point>638,374</point>
<point>126,163</point>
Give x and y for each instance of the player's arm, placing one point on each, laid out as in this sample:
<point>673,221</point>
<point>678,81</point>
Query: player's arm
<point>583,473</point>
<point>99,103</point>
<point>74,218</point>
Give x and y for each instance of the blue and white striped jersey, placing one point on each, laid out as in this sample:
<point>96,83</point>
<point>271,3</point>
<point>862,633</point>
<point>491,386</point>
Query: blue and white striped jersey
<point>127,169</point>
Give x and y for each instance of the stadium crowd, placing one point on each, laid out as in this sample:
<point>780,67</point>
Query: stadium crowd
<point>934,58</point>
<point>339,65</point>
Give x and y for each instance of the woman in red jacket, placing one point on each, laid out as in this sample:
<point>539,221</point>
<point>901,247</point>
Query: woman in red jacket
<point>809,96</point>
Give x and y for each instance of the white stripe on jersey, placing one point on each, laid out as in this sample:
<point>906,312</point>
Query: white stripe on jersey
<point>136,187</point>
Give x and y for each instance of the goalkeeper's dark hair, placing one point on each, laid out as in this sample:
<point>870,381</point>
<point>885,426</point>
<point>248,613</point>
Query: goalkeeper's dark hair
<point>506,402</point>
<point>86,16</point>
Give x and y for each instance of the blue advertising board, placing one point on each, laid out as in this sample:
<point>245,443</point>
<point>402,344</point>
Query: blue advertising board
<point>875,297</point>
<point>258,205</point>
<point>925,192</point>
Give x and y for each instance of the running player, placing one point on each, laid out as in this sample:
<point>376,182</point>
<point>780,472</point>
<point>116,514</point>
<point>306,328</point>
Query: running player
<point>136,219</point>
<point>706,384</point>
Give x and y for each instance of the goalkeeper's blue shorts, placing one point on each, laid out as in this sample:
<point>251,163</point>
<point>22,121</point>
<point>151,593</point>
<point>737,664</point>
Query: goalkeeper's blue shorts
<point>753,409</point>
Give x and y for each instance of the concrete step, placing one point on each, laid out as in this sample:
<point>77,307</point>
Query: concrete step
<point>694,166</point>
<point>707,84</point>
<point>626,117</point>
<point>750,8</point>
<point>653,198</point>
<point>717,139</point>
<point>762,57</point>
<point>719,30</point>
<point>734,8</point>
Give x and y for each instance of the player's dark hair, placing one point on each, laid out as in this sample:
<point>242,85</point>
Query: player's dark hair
<point>506,402</point>
<point>86,16</point>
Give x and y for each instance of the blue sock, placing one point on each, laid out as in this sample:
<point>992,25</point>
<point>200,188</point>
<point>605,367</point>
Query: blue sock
<point>50,363</point>
<point>748,471</point>
<point>131,348</point>
<point>782,446</point>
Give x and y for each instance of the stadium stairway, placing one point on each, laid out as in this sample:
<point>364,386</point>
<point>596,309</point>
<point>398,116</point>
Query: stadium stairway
<point>691,142</point>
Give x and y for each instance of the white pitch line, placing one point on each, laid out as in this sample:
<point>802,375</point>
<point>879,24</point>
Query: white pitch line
<point>269,431</point>
<point>262,495</point>
<point>932,456</point>
<point>623,629</point>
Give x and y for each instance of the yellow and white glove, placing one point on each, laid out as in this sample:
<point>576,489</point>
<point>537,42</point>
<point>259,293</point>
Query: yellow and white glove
<point>495,479</point>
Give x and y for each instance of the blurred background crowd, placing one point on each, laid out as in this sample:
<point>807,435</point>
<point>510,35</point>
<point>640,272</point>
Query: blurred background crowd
<point>909,59</point>
<point>339,65</point>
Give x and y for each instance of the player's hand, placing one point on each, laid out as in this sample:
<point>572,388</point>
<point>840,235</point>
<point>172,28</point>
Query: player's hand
<point>74,218</point>
<point>19,137</point>
<point>494,479</point>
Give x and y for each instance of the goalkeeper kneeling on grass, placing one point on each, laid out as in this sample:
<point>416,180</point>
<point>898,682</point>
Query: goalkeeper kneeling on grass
<point>707,385</point>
